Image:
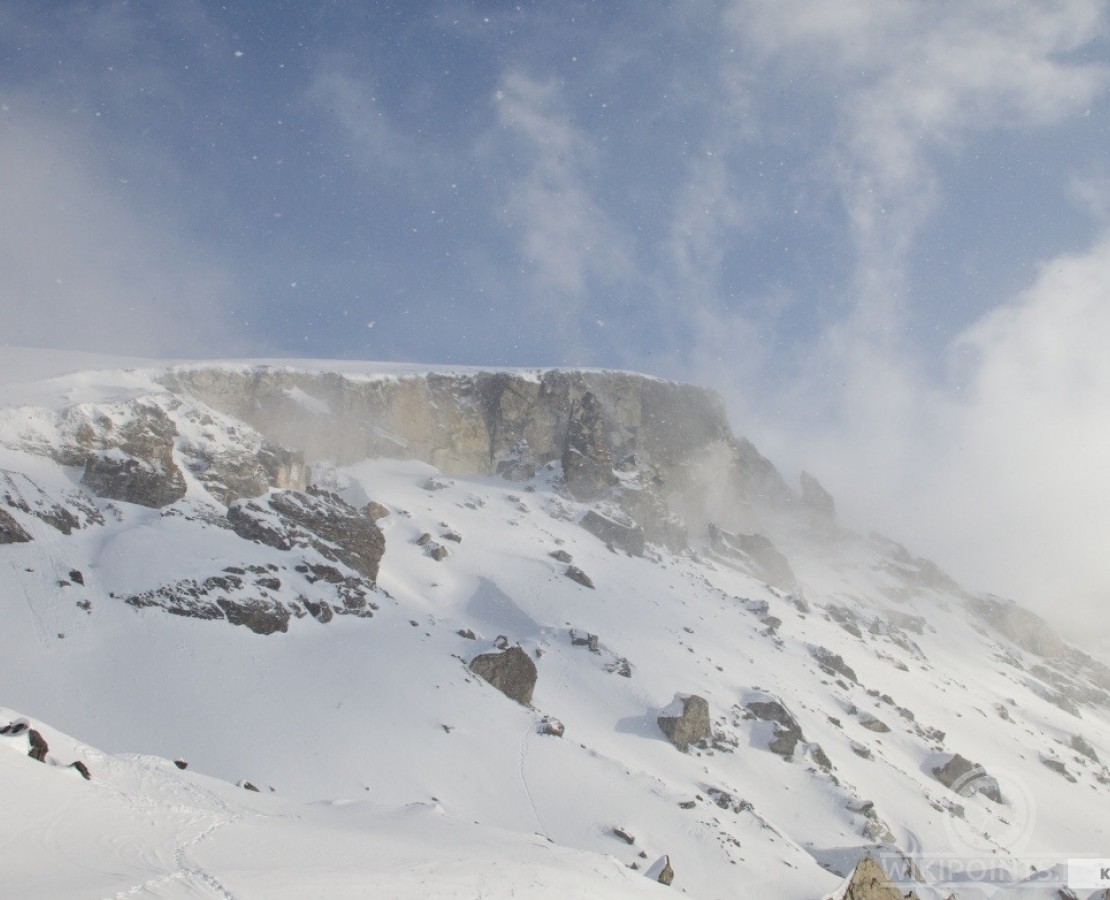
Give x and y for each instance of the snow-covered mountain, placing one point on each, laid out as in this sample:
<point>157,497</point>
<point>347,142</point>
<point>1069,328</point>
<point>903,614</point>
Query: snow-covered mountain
<point>512,633</point>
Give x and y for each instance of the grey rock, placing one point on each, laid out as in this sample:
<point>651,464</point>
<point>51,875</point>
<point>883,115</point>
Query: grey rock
<point>965,777</point>
<point>787,730</point>
<point>11,532</point>
<point>134,480</point>
<point>375,511</point>
<point>869,882</point>
<point>661,871</point>
<point>138,467</point>
<point>511,672</point>
<point>587,457</point>
<point>676,435</point>
<point>257,615</point>
<point>66,513</point>
<point>629,538</point>
<point>758,552</point>
<point>552,726</point>
<point>871,723</point>
<point>691,726</point>
<point>1081,745</point>
<point>576,574</point>
<point>832,663</point>
<point>560,556</point>
<point>316,519</point>
<point>1058,767</point>
<point>38,748</point>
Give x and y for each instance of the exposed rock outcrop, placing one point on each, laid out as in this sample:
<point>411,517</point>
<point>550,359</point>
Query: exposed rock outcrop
<point>65,511</point>
<point>758,552</point>
<point>587,457</point>
<point>38,747</point>
<point>11,532</point>
<point>511,672</point>
<point>1080,744</point>
<point>788,733</point>
<point>675,436</point>
<point>629,538</point>
<point>1026,629</point>
<point>832,663</point>
<point>576,574</point>
<point>138,465</point>
<point>316,519</point>
<point>869,882</point>
<point>661,871</point>
<point>691,725</point>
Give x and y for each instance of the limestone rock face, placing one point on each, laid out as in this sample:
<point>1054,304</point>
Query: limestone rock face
<point>138,467</point>
<point>511,672</point>
<point>674,436</point>
<point>691,726</point>
<point>587,458</point>
<point>133,480</point>
<point>231,476</point>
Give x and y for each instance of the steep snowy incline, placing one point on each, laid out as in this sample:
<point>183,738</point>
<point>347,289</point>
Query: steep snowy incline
<point>180,584</point>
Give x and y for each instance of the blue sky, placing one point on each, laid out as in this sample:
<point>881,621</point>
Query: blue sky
<point>881,228</point>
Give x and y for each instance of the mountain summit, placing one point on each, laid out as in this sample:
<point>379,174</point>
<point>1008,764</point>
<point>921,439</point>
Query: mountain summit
<point>496,633</point>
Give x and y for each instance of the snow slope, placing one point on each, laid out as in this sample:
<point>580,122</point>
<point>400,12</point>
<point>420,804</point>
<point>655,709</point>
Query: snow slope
<point>396,771</point>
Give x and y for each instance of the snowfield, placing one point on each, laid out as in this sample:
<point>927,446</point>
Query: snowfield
<point>386,767</point>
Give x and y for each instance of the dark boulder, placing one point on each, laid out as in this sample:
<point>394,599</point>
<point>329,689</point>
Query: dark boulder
<point>38,746</point>
<point>576,574</point>
<point>691,726</point>
<point>787,730</point>
<point>965,778</point>
<point>511,672</point>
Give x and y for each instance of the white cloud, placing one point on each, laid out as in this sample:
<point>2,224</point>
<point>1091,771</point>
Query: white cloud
<point>566,237</point>
<point>908,80</point>
<point>82,267</point>
<point>353,104</point>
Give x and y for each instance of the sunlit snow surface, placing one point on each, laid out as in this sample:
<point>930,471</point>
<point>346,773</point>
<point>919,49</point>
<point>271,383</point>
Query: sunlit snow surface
<point>395,772</point>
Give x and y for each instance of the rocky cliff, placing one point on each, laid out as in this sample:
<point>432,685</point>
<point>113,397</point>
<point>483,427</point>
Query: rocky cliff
<point>658,449</point>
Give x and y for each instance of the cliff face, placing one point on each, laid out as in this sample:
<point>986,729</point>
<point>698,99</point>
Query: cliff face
<point>608,430</point>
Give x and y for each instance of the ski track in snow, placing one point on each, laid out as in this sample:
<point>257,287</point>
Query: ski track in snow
<point>178,793</point>
<point>524,779</point>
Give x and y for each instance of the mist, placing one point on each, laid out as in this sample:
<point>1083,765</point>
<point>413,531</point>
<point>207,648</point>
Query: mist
<point>882,233</point>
